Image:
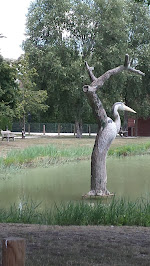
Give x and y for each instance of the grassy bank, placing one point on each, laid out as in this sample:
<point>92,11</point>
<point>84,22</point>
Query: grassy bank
<point>52,154</point>
<point>132,149</point>
<point>118,212</point>
<point>56,154</point>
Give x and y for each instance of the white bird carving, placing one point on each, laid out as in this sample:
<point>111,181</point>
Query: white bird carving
<point>113,127</point>
<point>119,106</point>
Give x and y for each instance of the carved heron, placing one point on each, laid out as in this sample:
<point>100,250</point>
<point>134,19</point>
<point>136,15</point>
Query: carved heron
<point>119,106</point>
<point>107,128</point>
<point>113,127</point>
<point>103,141</point>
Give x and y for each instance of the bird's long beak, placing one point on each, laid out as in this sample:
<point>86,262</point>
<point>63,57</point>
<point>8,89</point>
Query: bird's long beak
<point>126,108</point>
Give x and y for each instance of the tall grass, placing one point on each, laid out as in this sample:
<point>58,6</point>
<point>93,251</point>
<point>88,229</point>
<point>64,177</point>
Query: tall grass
<point>56,153</point>
<point>131,149</point>
<point>38,152</point>
<point>117,212</point>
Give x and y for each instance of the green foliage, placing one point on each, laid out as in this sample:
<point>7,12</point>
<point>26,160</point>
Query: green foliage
<point>48,19</point>
<point>118,212</point>
<point>29,100</point>
<point>51,154</point>
<point>26,214</point>
<point>143,1</point>
<point>129,149</point>
<point>8,91</point>
<point>64,34</point>
<point>59,65</point>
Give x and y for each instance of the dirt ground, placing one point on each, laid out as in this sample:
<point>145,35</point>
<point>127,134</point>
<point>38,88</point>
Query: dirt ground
<point>84,245</point>
<point>74,245</point>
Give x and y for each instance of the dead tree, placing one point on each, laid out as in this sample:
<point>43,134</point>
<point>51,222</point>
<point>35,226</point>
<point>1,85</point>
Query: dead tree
<point>106,127</point>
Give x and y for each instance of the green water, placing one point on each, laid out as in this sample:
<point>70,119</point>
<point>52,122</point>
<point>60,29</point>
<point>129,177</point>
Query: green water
<point>128,177</point>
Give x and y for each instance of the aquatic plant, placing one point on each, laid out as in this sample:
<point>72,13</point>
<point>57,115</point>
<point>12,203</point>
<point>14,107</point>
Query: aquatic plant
<point>38,152</point>
<point>115,212</point>
<point>57,154</point>
<point>132,149</point>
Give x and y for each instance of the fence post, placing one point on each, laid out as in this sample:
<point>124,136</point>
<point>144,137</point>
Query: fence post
<point>74,129</point>
<point>43,129</point>
<point>13,251</point>
<point>89,130</point>
<point>59,129</point>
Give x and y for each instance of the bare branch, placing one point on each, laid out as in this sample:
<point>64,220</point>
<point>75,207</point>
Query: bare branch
<point>99,82</point>
<point>136,71</point>
<point>89,70</point>
<point>127,66</point>
<point>126,61</point>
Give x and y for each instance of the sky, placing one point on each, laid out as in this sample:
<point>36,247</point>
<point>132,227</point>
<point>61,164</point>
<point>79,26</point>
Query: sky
<point>12,26</point>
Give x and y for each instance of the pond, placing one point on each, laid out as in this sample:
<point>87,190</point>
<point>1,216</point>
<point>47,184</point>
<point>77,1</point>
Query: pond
<point>127,177</point>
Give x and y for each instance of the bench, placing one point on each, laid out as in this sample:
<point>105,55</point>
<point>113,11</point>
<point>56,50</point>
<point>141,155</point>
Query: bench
<point>123,133</point>
<point>7,135</point>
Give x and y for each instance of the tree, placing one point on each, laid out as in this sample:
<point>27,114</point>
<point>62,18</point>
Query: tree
<point>98,31</point>
<point>136,92</point>
<point>8,92</point>
<point>106,133</point>
<point>57,60</point>
<point>46,21</point>
<point>129,31</point>
<point>29,100</point>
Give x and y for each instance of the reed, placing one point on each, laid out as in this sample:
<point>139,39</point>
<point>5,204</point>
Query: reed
<point>38,152</point>
<point>56,153</point>
<point>132,149</point>
<point>118,212</point>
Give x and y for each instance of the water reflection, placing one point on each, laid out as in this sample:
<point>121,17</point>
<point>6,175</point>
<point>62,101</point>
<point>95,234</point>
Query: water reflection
<point>127,177</point>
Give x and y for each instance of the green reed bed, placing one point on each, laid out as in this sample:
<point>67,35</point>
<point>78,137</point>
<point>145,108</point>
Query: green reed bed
<point>132,149</point>
<point>55,154</point>
<point>118,212</point>
<point>30,154</point>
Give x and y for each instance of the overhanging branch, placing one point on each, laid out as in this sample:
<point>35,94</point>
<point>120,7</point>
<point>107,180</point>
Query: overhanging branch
<point>89,70</point>
<point>99,82</point>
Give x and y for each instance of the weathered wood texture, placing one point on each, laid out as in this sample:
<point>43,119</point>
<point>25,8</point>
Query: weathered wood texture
<point>97,83</point>
<point>106,130</point>
<point>13,252</point>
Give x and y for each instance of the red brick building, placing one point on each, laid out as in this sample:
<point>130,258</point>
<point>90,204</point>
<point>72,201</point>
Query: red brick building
<point>139,127</point>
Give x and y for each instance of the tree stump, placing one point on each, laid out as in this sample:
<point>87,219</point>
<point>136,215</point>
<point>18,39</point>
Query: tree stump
<point>13,251</point>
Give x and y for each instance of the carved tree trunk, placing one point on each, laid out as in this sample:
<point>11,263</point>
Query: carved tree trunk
<point>98,168</point>
<point>105,133</point>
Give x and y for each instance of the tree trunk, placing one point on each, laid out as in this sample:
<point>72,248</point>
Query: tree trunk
<point>78,127</point>
<point>106,133</point>
<point>24,126</point>
<point>98,168</point>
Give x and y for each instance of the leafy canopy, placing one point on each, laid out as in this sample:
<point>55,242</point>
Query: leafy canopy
<point>8,91</point>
